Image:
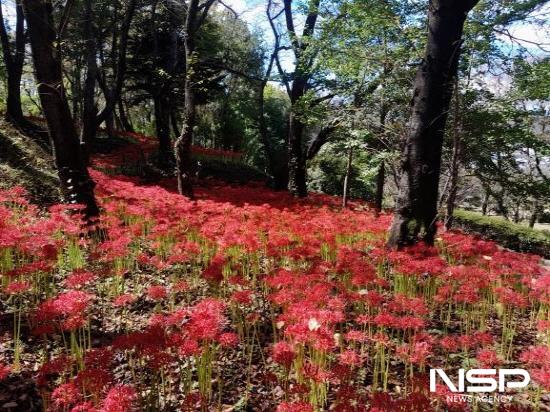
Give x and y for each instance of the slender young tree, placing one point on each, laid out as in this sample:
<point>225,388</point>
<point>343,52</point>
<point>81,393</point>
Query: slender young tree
<point>114,91</point>
<point>14,58</point>
<point>296,156</point>
<point>416,207</point>
<point>89,127</point>
<point>196,15</point>
<point>76,184</point>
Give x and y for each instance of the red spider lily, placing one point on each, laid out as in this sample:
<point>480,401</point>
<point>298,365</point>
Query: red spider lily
<point>283,353</point>
<point>350,358</point>
<point>488,358</point>
<point>124,300</point>
<point>16,288</point>
<point>72,303</point>
<point>84,407</point>
<point>181,286</point>
<point>65,395</point>
<point>119,399</point>
<point>213,272</point>
<point>206,319</point>
<point>189,347</point>
<point>157,292</point>
<point>4,371</point>
<point>537,356</point>
<point>243,297</point>
<point>295,407</point>
<point>228,340</point>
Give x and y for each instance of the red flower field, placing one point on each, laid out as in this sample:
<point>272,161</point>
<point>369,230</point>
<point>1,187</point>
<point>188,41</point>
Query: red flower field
<point>247,299</point>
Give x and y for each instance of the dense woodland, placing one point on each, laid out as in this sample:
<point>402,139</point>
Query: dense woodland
<point>279,172</point>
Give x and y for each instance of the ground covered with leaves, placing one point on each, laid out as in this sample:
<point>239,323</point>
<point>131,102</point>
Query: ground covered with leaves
<point>247,299</point>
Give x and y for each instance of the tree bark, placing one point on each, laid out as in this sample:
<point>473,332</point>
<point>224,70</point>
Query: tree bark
<point>196,15</point>
<point>380,179</point>
<point>264,135</point>
<point>455,162</point>
<point>112,95</point>
<point>485,203</point>
<point>416,206</point>
<point>347,178</point>
<point>534,216</point>
<point>13,62</point>
<point>76,184</point>
<point>124,120</point>
<point>297,173</point>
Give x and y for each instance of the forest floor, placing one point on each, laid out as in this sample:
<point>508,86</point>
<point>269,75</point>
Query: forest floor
<point>248,299</point>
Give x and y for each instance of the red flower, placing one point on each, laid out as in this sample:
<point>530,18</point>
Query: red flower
<point>124,300</point>
<point>283,353</point>
<point>4,371</point>
<point>65,395</point>
<point>79,278</point>
<point>349,358</point>
<point>16,288</point>
<point>488,358</point>
<point>157,292</point>
<point>119,399</point>
<point>295,407</point>
<point>228,340</point>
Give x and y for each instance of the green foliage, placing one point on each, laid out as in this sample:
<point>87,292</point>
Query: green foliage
<point>512,235</point>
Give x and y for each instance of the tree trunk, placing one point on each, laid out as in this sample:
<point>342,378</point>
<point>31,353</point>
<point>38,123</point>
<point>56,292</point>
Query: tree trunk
<point>196,15</point>
<point>264,135</point>
<point>89,112</point>
<point>14,66</point>
<point>534,216</point>
<point>182,146</point>
<point>380,179</point>
<point>77,186</point>
<point>347,178</point>
<point>485,203</point>
<point>296,159</point>
<point>296,156</point>
<point>162,123</point>
<point>174,121</point>
<point>455,162</point>
<point>416,207</point>
<point>124,120</point>
<point>112,95</point>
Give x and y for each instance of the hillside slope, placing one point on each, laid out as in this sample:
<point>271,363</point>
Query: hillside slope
<point>23,162</point>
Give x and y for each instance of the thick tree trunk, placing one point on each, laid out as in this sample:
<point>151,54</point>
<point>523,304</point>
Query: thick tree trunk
<point>455,162</point>
<point>416,207</point>
<point>14,66</point>
<point>347,178</point>
<point>380,179</point>
<point>77,186</point>
<point>89,112</point>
